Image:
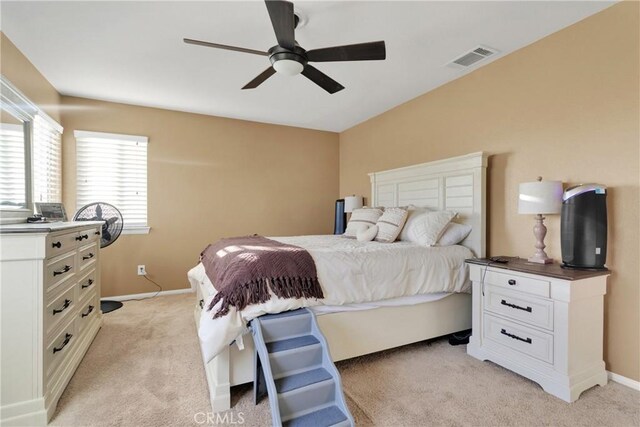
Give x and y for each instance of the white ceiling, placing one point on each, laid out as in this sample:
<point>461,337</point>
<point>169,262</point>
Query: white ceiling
<point>132,52</point>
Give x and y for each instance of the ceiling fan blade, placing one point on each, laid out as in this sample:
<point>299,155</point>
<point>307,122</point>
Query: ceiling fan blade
<point>261,78</point>
<point>283,21</point>
<point>321,79</point>
<point>371,51</point>
<point>226,47</point>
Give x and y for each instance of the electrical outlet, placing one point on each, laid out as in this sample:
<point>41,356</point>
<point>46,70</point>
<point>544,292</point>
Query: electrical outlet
<point>142,271</point>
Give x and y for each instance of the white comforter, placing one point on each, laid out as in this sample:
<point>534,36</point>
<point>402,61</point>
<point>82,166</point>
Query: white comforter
<point>349,272</point>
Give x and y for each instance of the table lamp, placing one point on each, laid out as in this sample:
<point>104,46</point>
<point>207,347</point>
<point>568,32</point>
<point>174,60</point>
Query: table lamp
<point>351,203</point>
<point>540,198</point>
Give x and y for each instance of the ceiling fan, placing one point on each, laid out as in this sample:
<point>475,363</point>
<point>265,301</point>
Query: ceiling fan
<point>287,57</point>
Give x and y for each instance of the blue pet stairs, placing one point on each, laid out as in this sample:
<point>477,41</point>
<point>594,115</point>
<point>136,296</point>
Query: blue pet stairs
<point>293,365</point>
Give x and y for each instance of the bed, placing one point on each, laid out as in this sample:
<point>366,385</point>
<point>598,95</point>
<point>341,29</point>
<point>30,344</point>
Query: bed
<point>372,325</point>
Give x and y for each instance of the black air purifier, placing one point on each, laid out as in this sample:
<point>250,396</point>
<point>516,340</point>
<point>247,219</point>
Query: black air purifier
<point>341,218</point>
<point>583,227</point>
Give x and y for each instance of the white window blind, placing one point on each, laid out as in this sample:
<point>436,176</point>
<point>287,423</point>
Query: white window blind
<point>112,168</point>
<point>12,173</point>
<point>47,161</point>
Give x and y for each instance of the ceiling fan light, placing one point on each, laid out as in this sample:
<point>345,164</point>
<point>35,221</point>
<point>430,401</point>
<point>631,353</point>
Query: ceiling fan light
<point>288,67</point>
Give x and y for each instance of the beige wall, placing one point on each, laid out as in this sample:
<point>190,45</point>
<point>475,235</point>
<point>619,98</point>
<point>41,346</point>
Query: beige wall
<point>565,108</point>
<point>208,177</point>
<point>21,72</point>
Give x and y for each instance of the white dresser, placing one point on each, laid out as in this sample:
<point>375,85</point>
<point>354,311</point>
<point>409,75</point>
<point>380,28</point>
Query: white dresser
<point>50,301</point>
<point>541,321</point>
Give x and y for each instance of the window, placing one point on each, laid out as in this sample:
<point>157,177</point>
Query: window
<point>12,165</point>
<point>47,161</point>
<point>112,168</point>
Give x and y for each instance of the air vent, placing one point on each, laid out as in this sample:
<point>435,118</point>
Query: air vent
<point>471,57</point>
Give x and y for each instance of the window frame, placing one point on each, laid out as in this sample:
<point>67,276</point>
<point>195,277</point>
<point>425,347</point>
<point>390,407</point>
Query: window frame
<point>83,134</point>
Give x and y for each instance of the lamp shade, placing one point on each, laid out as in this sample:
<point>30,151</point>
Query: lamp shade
<point>352,202</point>
<point>540,197</point>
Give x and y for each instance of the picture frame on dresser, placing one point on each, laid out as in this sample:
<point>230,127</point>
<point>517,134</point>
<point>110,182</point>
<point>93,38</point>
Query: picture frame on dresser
<point>51,211</point>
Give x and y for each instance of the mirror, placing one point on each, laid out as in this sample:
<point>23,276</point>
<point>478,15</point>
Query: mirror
<point>14,144</point>
<point>16,128</point>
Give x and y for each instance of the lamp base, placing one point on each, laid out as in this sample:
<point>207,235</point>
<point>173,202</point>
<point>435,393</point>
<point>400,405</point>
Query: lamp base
<point>539,230</point>
<point>541,260</point>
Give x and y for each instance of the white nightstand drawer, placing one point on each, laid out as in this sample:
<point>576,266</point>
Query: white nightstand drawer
<point>518,337</point>
<point>520,306</point>
<point>518,283</point>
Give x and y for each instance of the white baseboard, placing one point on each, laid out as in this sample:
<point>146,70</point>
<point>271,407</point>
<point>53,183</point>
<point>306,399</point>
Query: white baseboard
<point>624,381</point>
<point>148,294</point>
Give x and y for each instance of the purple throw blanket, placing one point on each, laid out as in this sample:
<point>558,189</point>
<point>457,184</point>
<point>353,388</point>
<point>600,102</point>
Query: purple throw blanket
<point>243,269</point>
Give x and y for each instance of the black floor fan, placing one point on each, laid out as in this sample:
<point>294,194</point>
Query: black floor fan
<point>111,229</point>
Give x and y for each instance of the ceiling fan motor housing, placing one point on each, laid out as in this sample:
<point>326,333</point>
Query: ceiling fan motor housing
<point>297,54</point>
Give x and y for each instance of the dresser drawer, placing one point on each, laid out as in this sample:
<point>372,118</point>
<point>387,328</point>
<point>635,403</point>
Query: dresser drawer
<point>518,337</point>
<point>93,235</point>
<point>59,308</point>
<point>87,312</point>
<point>59,270</point>
<point>520,306</point>
<point>87,256</point>
<point>58,244</point>
<point>58,348</point>
<point>519,283</point>
<point>86,284</point>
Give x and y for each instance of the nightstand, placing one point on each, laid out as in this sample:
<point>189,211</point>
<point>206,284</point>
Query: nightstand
<point>540,321</point>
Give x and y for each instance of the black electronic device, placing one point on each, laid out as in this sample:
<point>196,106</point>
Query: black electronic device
<point>37,218</point>
<point>583,226</point>
<point>499,259</point>
<point>340,218</point>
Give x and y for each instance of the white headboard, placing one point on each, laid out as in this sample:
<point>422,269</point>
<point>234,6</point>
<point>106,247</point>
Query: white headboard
<point>457,184</point>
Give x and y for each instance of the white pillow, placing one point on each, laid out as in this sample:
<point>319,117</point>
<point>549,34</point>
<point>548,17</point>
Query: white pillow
<point>361,219</point>
<point>390,224</point>
<point>367,235</point>
<point>429,226</point>
<point>453,234</point>
<point>414,212</point>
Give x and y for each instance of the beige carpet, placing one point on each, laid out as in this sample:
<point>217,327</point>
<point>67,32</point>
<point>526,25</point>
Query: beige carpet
<point>144,369</point>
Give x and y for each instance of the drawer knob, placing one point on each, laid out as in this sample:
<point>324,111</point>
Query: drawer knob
<point>97,233</point>
<point>64,270</point>
<point>512,282</point>
<point>529,309</point>
<point>88,311</point>
<point>515,337</point>
<point>89,283</point>
<point>81,238</point>
<point>67,338</point>
<point>88,256</point>
<point>201,303</point>
<point>67,303</point>
<point>56,245</point>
